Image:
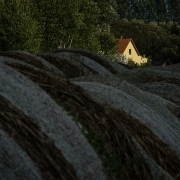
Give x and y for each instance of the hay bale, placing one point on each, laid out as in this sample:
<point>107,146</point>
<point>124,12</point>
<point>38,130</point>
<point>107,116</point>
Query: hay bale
<point>40,148</point>
<point>82,62</point>
<point>143,75</point>
<point>33,60</point>
<point>90,118</point>
<point>14,162</point>
<point>110,80</point>
<point>157,171</point>
<point>159,131</point>
<point>70,68</point>
<point>165,90</point>
<point>53,120</point>
<point>113,67</point>
<point>7,60</point>
<point>136,146</point>
<point>141,111</point>
<point>166,109</point>
<point>116,125</point>
<point>172,68</point>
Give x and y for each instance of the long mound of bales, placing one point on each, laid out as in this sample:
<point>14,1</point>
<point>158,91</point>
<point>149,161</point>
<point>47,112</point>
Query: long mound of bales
<point>29,136</point>
<point>53,121</point>
<point>90,116</point>
<point>33,60</point>
<point>58,121</point>
<point>90,55</point>
<point>70,69</point>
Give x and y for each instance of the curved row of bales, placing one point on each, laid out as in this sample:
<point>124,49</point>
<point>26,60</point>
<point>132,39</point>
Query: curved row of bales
<point>70,114</point>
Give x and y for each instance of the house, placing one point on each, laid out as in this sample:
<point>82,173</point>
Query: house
<point>130,51</point>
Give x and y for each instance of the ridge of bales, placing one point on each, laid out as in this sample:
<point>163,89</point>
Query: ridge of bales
<point>53,120</point>
<point>94,120</point>
<point>167,91</point>
<point>118,99</point>
<point>82,106</point>
<point>60,89</point>
<point>175,81</point>
<point>152,100</point>
<point>167,109</point>
<point>164,83</point>
<point>113,67</point>
<point>40,148</point>
<point>70,69</point>
<point>81,61</point>
<point>158,142</point>
<point>33,60</point>
<point>7,60</point>
<point>14,162</point>
<point>157,171</point>
<point>172,68</point>
<point>144,75</point>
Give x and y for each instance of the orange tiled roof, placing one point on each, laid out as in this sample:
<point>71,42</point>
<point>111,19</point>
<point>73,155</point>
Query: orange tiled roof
<point>123,43</point>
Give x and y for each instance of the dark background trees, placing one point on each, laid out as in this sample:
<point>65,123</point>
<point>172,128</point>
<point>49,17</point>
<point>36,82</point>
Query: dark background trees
<point>44,25</point>
<point>153,25</point>
<point>158,41</point>
<point>18,29</point>
<point>95,25</point>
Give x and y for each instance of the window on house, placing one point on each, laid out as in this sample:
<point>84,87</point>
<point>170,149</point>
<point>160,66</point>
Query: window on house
<point>130,51</point>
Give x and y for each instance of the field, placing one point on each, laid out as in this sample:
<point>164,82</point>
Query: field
<point>72,114</point>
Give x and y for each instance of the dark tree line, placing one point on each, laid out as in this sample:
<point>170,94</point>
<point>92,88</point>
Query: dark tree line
<point>44,25</point>
<point>37,26</point>
<point>149,10</point>
<point>153,25</point>
<point>158,41</point>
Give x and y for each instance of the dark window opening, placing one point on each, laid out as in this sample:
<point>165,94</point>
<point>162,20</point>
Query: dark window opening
<point>130,51</point>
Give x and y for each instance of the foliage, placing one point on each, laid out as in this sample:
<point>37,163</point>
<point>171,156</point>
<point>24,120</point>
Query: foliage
<point>92,24</point>
<point>118,58</point>
<point>114,169</point>
<point>131,63</point>
<point>153,25</point>
<point>18,30</point>
<point>159,42</point>
<point>72,24</point>
<point>45,25</point>
<point>149,10</point>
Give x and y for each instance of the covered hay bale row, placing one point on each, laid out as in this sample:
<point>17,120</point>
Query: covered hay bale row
<point>15,163</point>
<point>69,69</point>
<point>173,68</point>
<point>110,122</point>
<point>94,119</point>
<point>144,75</point>
<point>165,90</point>
<point>133,137</point>
<point>165,80</point>
<point>33,60</point>
<point>41,149</point>
<point>81,61</point>
<point>23,57</point>
<point>94,57</point>
<point>125,103</point>
<point>53,121</point>
<point>164,108</point>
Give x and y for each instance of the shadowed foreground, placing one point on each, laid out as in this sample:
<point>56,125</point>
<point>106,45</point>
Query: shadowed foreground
<point>71,114</point>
